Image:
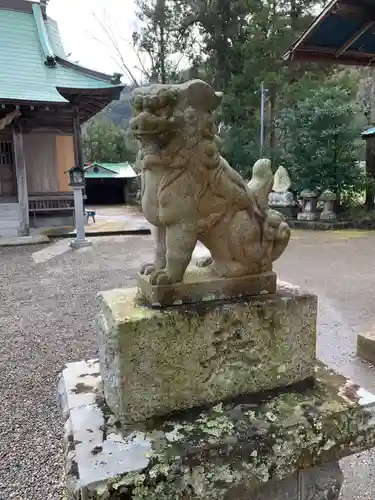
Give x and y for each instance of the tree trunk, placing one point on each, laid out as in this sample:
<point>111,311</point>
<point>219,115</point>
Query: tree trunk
<point>273,107</point>
<point>162,49</point>
<point>294,15</point>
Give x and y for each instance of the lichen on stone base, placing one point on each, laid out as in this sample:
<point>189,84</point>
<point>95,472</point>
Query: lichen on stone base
<point>230,450</point>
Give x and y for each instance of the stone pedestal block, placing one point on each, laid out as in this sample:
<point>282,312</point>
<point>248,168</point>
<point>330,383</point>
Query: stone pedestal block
<point>199,285</point>
<point>156,361</point>
<point>273,446</point>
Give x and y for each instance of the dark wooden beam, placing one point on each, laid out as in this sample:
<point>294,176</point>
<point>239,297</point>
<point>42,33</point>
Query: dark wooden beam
<point>28,126</point>
<point>91,108</point>
<point>354,38</point>
<point>331,52</point>
<point>348,58</point>
<point>100,102</point>
<point>78,149</point>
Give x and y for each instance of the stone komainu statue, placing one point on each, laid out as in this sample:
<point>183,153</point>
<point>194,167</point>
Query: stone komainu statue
<point>190,193</point>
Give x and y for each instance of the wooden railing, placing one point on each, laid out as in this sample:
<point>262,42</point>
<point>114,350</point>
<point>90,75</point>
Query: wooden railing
<point>51,202</point>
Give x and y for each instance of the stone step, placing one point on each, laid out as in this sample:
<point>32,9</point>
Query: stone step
<point>8,233</point>
<point>10,216</point>
<point>9,225</point>
<point>9,220</point>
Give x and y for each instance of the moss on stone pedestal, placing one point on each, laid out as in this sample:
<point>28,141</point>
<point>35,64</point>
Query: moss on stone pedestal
<point>154,362</point>
<point>235,448</point>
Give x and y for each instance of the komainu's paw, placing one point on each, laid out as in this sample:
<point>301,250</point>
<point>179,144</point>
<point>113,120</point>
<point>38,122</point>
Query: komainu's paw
<point>147,268</point>
<point>160,277</point>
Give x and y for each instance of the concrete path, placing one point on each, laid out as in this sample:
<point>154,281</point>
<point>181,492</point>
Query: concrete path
<point>340,268</point>
<point>108,221</point>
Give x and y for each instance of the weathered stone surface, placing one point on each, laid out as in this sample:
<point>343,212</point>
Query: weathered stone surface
<point>316,483</point>
<point>201,285</point>
<point>190,193</point>
<point>366,346</point>
<point>87,439</point>
<point>155,361</point>
<point>251,448</point>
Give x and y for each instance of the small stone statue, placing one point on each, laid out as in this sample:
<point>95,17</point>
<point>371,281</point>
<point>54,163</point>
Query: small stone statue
<point>190,193</point>
<point>280,195</point>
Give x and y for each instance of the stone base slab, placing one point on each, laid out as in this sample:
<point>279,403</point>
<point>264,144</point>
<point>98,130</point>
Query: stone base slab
<point>281,446</point>
<point>156,361</point>
<point>77,244</point>
<point>366,346</point>
<point>200,285</point>
<point>310,216</point>
<point>320,225</point>
<point>328,216</point>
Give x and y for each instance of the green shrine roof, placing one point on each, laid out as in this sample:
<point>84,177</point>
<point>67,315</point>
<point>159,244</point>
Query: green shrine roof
<point>33,65</point>
<point>110,171</point>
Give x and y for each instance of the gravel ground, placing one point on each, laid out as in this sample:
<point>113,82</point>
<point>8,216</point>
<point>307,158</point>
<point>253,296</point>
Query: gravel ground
<point>46,319</point>
<point>47,312</point>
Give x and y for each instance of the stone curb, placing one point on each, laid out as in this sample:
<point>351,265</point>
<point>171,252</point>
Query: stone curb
<point>126,232</point>
<point>329,226</point>
<point>39,239</point>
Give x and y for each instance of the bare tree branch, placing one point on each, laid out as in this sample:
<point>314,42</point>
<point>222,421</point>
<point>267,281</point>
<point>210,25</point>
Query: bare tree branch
<point>115,46</point>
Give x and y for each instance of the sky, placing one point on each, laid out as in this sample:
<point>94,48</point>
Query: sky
<point>83,37</point>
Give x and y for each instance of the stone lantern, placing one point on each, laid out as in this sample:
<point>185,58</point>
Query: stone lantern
<point>309,204</point>
<point>328,198</point>
<point>77,183</point>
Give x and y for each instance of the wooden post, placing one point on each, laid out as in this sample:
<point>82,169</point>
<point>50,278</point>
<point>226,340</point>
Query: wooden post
<point>23,198</point>
<point>78,150</point>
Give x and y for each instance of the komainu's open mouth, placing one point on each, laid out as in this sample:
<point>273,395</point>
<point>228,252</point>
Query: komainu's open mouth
<point>147,124</point>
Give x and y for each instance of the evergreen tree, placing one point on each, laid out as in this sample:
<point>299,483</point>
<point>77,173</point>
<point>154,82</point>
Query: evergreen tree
<point>221,23</point>
<point>271,28</point>
<point>321,140</point>
<point>103,141</point>
<point>163,40</point>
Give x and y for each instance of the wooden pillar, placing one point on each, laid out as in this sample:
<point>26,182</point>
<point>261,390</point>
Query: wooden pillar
<point>20,163</point>
<point>78,149</point>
